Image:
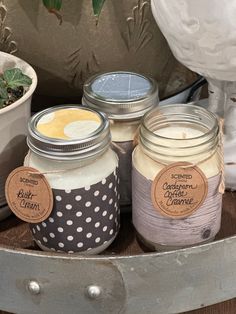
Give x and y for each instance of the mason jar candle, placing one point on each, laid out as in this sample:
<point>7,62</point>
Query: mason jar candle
<point>125,97</point>
<point>70,145</point>
<point>177,177</point>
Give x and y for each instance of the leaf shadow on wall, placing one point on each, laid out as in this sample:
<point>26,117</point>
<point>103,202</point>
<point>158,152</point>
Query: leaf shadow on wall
<point>72,11</point>
<point>31,9</point>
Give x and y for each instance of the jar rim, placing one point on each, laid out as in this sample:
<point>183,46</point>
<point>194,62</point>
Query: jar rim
<point>152,141</point>
<point>210,114</point>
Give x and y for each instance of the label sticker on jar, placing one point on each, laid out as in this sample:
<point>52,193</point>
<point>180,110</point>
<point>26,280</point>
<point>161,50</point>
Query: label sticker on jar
<point>29,195</point>
<point>82,219</point>
<point>179,190</point>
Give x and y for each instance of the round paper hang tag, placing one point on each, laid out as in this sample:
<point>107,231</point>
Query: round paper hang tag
<point>29,195</point>
<point>179,190</point>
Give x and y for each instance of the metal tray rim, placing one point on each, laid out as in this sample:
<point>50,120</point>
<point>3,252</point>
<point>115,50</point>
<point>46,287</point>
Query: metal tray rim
<point>65,256</point>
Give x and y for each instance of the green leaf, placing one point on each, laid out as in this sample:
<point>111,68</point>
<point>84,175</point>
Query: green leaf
<point>3,90</point>
<point>15,78</point>
<point>97,6</point>
<point>53,4</point>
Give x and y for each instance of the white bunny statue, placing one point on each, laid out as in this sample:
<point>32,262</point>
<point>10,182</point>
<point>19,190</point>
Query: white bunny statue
<point>202,36</point>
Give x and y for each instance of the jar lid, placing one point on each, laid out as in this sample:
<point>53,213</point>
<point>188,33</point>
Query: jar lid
<point>68,132</point>
<point>121,95</point>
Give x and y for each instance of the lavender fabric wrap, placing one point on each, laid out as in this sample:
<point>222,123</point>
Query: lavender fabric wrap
<point>199,227</point>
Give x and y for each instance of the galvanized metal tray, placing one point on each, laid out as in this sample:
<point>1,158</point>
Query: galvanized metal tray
<point>125,279</point>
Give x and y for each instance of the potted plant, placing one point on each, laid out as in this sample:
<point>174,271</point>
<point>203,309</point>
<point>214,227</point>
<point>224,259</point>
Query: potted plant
<point>94,36</point>
<point>18,81</point>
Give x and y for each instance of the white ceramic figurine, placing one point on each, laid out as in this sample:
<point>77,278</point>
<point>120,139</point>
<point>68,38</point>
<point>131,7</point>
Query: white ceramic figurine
<point>202,36</point>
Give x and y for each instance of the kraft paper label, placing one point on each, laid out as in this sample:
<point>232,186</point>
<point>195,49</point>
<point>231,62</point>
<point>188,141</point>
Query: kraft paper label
<point>29,195</point>
<point>179,190</point>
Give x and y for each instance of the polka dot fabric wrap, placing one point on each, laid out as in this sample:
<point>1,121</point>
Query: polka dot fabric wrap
<point>82,219</point>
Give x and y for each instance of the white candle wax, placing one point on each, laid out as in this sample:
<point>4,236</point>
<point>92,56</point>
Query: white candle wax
<point>124,131</point>
<point>188,136</point>
<point>78,175</point>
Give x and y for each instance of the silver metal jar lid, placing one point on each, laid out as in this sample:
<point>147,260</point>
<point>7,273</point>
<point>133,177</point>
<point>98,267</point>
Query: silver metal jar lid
<point>121,95</point>
<point>59,133</point>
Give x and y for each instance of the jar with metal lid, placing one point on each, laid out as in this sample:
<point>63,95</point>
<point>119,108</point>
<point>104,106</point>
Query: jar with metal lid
<point>70,145</point>
<point>125,97</point>
<point>177,179</point>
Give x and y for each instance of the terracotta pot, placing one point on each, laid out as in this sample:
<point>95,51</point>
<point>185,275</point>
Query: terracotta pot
<point>64,56</point>
<point>13,126</point>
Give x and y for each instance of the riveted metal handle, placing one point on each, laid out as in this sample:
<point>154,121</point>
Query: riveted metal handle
<point>60,284</point>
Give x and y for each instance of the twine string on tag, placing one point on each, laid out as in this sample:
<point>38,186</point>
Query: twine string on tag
<point>35,174</point>
<point>31,173</point>
<point>39,173</point>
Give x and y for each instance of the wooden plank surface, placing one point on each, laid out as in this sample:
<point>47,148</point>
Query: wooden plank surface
<point>228,307</point>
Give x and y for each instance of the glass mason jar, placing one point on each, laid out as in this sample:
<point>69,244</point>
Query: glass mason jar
<point>70,145</point>
<point>177,179</point>
<point>124,97</point>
